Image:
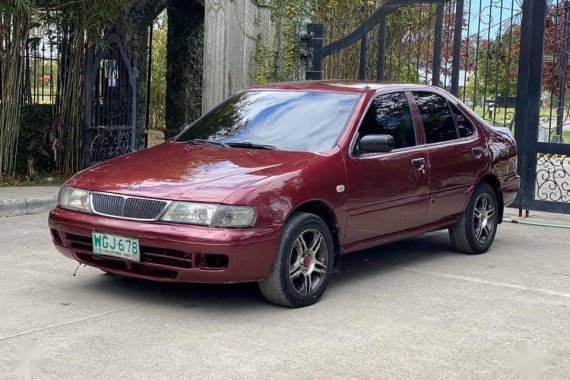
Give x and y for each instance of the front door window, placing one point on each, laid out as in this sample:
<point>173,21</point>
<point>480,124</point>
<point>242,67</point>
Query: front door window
<point>390,115</point>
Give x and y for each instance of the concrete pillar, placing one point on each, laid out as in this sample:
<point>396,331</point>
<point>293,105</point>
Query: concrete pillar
<point>231,28</point>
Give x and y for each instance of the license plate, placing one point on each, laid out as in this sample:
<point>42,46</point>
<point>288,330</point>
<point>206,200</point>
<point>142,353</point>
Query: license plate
<point>116,246</point>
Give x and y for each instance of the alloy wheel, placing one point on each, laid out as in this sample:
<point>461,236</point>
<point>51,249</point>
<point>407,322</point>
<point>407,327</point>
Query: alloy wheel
<point>308,262</point>
<point>484,218</point>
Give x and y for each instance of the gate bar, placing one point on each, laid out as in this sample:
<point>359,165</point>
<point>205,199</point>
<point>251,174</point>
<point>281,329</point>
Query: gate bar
<point>320,51</point>
<point>438,41</point>
<point>529,87</point>
<point>316,42</point>
<point>563,69</point>
<point>521,106</point>
<point>381,64</point>
<point>362,74</point>
<point>457,30</point>
<point>88,96</point>
<point>369,24</point>
<point>534,89</point>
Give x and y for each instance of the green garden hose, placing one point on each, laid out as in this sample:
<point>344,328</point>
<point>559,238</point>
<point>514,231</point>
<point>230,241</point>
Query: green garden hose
<point>540,224</point>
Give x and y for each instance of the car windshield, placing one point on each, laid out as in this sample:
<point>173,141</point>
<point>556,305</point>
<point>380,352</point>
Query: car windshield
<point>307,121</point>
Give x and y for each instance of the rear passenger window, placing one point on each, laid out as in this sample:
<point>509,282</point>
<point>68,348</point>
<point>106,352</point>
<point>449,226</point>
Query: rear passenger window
<point>438,121</point>
<point>390,115</point>
<point>464,126</point>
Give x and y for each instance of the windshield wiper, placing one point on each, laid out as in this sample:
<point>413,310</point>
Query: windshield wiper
<point>207,142</point>
<point>249,145</point>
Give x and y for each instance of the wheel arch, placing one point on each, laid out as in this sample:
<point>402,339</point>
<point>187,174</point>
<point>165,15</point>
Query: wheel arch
<point>324,211</point>
<point>494,182</point>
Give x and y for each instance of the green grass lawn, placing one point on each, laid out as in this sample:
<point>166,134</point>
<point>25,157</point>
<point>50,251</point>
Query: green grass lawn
<point>44,94</point>
<point>504,116</point>
<point>500,116</point>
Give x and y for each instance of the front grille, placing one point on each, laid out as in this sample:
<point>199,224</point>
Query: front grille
<point>127,207</point>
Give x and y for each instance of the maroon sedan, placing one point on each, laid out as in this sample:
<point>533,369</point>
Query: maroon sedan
<point>277,182</point>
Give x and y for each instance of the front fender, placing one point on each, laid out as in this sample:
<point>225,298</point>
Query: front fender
<point>275,198</point>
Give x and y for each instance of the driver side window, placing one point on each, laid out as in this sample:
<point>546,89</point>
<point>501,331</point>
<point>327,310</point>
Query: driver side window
<point>390,114</point>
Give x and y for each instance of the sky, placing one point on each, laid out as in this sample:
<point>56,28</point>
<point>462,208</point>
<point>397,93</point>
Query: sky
<point>492,17</point>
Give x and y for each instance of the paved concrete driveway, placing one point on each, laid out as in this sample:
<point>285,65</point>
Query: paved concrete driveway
<point>409,310</point>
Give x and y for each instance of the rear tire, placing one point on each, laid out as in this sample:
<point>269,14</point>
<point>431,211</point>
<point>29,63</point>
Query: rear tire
<point>475,231</point>
<point>303,263</point>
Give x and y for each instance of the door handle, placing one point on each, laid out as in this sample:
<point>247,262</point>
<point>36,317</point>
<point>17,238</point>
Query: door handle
<point>478,152</point>
<point>418,162</point>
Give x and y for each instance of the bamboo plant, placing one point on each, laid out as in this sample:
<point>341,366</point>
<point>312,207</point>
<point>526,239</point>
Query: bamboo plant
<point>81,25</point>
<point>14,29</point>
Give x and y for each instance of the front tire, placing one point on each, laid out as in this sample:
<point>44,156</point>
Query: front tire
<point>303,263</point>
<point>475,231</point>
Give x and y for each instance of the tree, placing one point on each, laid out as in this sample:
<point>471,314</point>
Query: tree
<point>82,25</point>
<point>553,47</point>
<point>495,68</point>
<point>14,30</point>
<point>158,74</point>
<point>132,25</point>
<point>185,57</point>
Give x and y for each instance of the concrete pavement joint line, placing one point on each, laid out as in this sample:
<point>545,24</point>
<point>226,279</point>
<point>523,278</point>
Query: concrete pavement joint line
<point>2,339</point>
<point>493,283</point>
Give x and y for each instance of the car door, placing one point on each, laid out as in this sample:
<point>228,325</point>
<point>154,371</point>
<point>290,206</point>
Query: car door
<point>387,192</point>
<point>456,154</point>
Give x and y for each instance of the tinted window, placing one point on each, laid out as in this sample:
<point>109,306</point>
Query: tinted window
<point>390,115</point>
<point>464,126</point>
<point>288,120</point>
<point>436,116</point>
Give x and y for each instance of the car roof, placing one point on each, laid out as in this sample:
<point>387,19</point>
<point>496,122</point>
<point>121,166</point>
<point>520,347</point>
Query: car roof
<point>349,86</point>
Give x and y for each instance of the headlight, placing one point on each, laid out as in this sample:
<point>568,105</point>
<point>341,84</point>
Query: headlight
<point>191,213</point>
<point>74,199</point>
<point>233,216</point>
<point>212,215</point>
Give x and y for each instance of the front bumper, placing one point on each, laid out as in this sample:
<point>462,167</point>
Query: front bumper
<point>170,252</point>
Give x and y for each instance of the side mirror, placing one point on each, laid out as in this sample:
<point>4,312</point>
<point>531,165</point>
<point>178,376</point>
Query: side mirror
<point>376,144</point>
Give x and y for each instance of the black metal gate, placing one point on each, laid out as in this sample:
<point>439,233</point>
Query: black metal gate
<point>544,163</point>
<point>506,59</point>
<point>110,103</point>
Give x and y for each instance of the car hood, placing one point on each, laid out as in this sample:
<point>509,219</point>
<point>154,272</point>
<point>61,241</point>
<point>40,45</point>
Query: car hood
<point>180,171</point>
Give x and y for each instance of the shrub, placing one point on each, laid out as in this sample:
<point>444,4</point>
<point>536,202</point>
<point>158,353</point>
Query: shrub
<point>34,150</point>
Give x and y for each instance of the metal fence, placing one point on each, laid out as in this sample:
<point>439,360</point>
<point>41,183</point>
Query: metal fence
<point>506,59</point>
<point>39,65</point>
<point>416,41</point>
<point>41,62</point>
